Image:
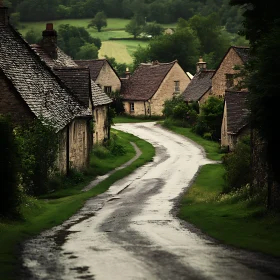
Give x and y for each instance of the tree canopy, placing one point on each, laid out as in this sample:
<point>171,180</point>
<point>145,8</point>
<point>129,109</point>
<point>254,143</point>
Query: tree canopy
<point>99,21</point>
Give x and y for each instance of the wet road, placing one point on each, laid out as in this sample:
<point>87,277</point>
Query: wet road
<point>130,232</point>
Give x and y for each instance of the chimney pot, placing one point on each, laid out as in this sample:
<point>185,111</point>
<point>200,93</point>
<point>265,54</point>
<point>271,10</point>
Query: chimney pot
<point>49,26</point>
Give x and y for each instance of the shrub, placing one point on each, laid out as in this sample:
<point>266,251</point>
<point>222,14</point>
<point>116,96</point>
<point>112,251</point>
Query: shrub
<point>237,165</point>
<point>38,145</point>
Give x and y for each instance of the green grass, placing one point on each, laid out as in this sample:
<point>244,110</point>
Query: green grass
<point>41,214</point>
<point>231,219</point>
<point>212,149</point>
<point>132,119</point>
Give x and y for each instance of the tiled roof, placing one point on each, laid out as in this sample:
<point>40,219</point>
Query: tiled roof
<point>237,111</point>
<point>145,81</point>
<point>42,91</point>
<point>77,79</point>
<point>198,86</point>
<point>62,58</point>
<point>94,65</point>
<point>98,96</point>
<point>243,52</point>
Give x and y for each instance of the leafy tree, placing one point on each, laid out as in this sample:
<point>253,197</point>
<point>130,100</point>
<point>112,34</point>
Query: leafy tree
<point>182,45</point>
<point>38,146</point>
<point>134,28</point>
<point>210,119</point>
<point>72,38</point>
<point>9,193</point>
<point>237,166</point>
<point>99,21</point>
<point>154,29</point>
<point>32,36</point>
<point>87,51</point>
<point>117,104</point>
<point>120,68</point>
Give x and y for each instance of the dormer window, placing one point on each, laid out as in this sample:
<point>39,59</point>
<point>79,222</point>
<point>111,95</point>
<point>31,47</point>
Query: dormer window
<point>177,86</point>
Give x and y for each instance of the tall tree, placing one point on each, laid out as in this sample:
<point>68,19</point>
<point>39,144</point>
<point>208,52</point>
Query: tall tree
<point>99,21</point>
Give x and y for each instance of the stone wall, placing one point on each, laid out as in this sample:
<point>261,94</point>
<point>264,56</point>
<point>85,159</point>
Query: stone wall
<point>139,108</point>
<point>219,79</point>
<point>79,144</point>
<point>12,104</point>
<point>107,77</point>
<point>100,126</point>
<point>167,88</point>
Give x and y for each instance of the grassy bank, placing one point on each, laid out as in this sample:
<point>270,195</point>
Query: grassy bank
<point>44,213</point>
<point>236,218</point>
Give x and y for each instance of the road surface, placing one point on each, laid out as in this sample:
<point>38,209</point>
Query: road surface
<point>131,232</point>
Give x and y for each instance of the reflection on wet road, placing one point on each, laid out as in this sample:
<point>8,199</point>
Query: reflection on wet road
<point>130,231</point>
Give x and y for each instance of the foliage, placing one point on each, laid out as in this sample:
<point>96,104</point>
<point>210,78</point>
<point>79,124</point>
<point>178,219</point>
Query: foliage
<point>177,109</point>
<point>72,38</point>
<point>9,192</point>
<point>87,51</point>
<point>210,118</point>
<point>38,146</point>
<point>32,37</point>
<point>237,166</point>
<point>154,29</point>
<point>99,21</point>
<point>134,28</point>
<point>117,104</point>
<point>182,46</point>
<point>120,68</point>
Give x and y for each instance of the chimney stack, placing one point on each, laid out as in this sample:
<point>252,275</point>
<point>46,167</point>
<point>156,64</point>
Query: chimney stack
<point>200,65</point>
<point>127,73</point>
<point>49,41</point>
<point>4,17</point>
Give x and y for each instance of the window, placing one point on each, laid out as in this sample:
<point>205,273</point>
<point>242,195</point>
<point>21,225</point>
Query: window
<point>131,107</point>
<point>107,89</point>
<point>176,86</point>
<point>229,81</point>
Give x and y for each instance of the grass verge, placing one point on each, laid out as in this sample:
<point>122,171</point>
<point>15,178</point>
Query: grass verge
<point>233,218</point>
<point>43,213</point>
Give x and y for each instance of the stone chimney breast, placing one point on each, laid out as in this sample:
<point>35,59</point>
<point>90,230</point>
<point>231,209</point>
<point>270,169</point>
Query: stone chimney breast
<point>4,17</point>
<point>200,65</point>
<point>49,41</point>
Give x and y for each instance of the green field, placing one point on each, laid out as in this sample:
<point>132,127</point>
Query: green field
<point>121,50</point>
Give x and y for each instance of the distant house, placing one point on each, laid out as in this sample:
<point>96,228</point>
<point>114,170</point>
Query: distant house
<point>108,81</point>
<point>235,118</point>
<point>71,73</point>
<point>169,31</point>
<point>103,74</point>
<point>30,90</point>
<point>224,77</point>
<point>151,84</point>
<point>199,88</point>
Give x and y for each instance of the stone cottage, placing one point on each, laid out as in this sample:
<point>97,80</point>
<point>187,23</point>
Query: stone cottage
<point>108,81</point>
<point>235,122</point>
<point>30,89</point>
<point>103,74</point>
<point>151,84</point>
<point>200,86</point>
<point>55,58</point>
<point>225,75</point>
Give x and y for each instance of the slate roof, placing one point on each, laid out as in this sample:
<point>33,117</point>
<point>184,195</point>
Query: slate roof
<point>237,111</point>
<point>145,81</point>
<point>42,91</point>
<point>78,80</point>
<point>198,86</point>
<point>243,52</point>
<point>62,58</point>
<point>99,97</point>
<point>95,66</point>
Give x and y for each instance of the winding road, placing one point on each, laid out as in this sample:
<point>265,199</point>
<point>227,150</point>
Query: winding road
<point>131,232</point>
